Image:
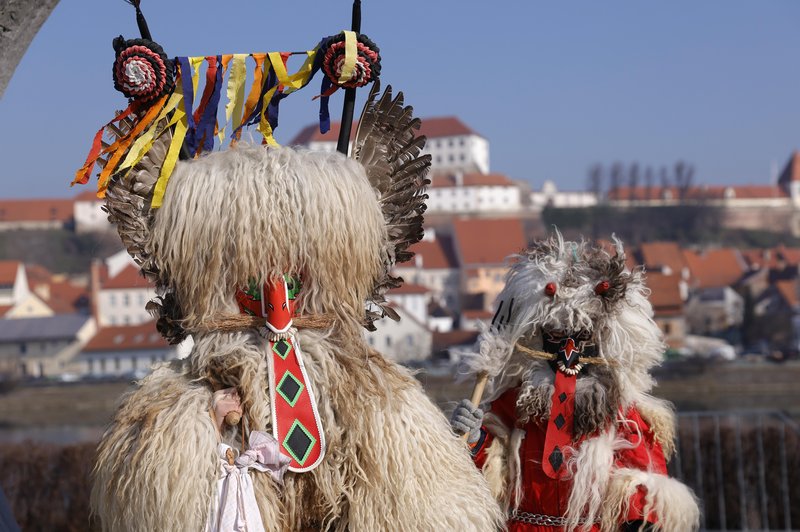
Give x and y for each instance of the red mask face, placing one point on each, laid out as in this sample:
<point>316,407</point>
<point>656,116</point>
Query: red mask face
<point>279,309</point>
<point>271,301</point>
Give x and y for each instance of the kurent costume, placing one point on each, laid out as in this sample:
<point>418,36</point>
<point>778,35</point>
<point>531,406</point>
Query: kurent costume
<point>273,260</point>
<point>572,440</point>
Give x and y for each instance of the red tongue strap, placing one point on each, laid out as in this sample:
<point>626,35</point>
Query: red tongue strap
<point>562,414</point>
<point>295,421</point>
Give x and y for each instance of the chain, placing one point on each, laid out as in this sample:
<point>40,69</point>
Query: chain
<point>539,519</point>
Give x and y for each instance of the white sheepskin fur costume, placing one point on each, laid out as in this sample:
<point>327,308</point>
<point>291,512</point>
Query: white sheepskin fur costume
<point>621,326</point>
<point>392,462</point>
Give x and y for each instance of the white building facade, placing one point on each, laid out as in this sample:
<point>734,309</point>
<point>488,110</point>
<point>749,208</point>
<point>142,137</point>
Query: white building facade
<point>122,298</point>
<point>453,146</point>
<point>550,196</point>
<point>402,341</point>
<point>473,193</point>
<point>89,214</point>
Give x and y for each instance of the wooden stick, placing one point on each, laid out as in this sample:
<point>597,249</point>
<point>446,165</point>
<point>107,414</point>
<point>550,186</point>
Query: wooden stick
<point>477,393</point>
<point>348,108</point>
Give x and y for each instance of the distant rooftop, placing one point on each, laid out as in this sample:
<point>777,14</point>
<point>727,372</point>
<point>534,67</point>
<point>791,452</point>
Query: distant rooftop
<point>127,337</point>
<point>702,192</point>
<point>488,241</point>
<point>433,127</point>
<point>715,268</point>
<point>36,210</point>
<point>408,289</point>
<point>8,272</point>
<point>471,180</point>
<point>58,327</point>
<point>433,254</point>
<point>665,294</point>
<point>129,277</point>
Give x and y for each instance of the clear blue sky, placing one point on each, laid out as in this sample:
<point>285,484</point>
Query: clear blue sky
<point>554,86</point>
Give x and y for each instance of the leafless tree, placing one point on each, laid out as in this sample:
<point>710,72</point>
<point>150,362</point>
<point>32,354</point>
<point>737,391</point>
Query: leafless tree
<point>20,20</point>
<point>649,177</point>
<point>664,175</point>
<point>594,180</point>
<point>633,180</point>
<point>684,177</point>
<point>615,179</point>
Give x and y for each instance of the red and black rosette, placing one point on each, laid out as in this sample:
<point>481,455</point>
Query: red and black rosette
<point>142,71</point>
<point>367,67</point>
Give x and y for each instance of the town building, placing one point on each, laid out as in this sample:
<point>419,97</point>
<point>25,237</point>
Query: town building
<point>14,290</point>
<point>121,297</point>
<point>667,299</point>
<point>18,214</point>
<point>714,307</point>
<point>666,258</point>
<point>88,213</point>
<point>550,196</point>
<point>411,297</point>
<point>473,193</point>
<point>482,248</point>
<point>434,266</point>
<point>403,341</point>
<point>117,351</point>
<point>42,347</point>
<point>454,147</point>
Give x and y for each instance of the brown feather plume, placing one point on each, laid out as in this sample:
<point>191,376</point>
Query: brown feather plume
<point>389,148</point>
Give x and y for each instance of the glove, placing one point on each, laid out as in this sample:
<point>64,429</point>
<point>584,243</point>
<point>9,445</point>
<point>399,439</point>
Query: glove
<point>466,419</point>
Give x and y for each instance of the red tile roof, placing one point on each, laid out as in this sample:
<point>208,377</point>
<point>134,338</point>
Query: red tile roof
<point>714,268</point>
<point>665,293</point>
<point>757,192</point>
<point>488,241</point>
<point>88,195</point>
<point>477,314</point>
<point>127,337</point>
<point>66,298</point>
<point>129,277</point>
<point>471,180</point>
<point>656,255</point>
<point>408,289</point>
<point>709,192</point>
<point>37,275</point>
<point>8,272</point>
<point>36,210</point>
<point>759,258</point>
<point>778,257</point>
<point>444,340</point>
<point>4,309</point>
<point>441,126</point>
<point>431,254</point>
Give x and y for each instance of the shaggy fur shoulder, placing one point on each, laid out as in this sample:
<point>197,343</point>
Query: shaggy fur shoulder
<point>157,461</point>
<point>392,462</point>
<point>659,415</point>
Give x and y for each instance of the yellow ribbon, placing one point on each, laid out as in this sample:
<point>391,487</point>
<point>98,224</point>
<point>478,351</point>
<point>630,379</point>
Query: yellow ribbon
<point>233,111</point>
<point>350,56</point>
<point>145,142</point>
<point>178,135</point>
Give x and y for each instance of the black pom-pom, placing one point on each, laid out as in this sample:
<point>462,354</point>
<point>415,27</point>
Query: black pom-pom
<point>142,71</point>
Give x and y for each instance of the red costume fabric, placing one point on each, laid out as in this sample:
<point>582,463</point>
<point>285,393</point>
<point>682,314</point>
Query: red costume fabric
<point>547,496</point>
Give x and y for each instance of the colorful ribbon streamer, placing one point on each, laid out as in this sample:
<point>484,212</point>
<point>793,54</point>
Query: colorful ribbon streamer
<point>195,128</point>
